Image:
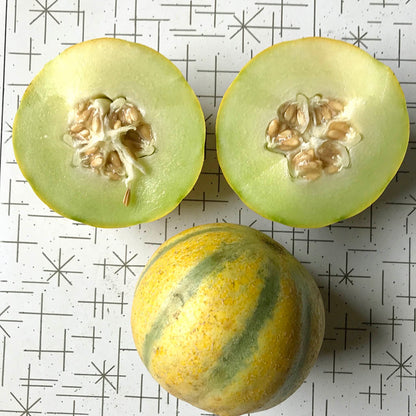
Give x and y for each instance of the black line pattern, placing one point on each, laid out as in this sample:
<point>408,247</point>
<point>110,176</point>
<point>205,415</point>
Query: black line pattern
<point>66,288</point>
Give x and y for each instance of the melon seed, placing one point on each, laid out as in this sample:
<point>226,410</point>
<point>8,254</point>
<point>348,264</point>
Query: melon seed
<point>301,117</point>
<point>335,134</point>
<point>84,115</point>
<point>133,115</point>
<point>84,133</point>
<point>336,105</point>
<point>115,159</point>
<point>126,199</point>
<point>287,140</point>
<point>317,116</point>
<point>76,128</point>
<point>326,112</point>
<point>96,123</point>
<point>145,132</point>
<point>273,129</point>
<point>97,161</point>
<point>290,113</point>
<point>340,126</point>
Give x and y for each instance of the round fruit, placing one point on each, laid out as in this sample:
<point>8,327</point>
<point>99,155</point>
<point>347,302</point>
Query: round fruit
<point>226,319</point>
<point>109,133</point>
<point>312,131</point>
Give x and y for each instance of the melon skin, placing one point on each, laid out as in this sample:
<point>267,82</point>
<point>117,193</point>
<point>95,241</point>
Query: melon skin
<point>310,66</point>
<point>226,319</point>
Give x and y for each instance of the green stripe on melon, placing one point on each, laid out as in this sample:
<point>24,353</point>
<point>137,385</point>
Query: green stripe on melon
<point>237,352</point>
<point>226,319</point>
<point>185,235</point>
<point>187,288</point>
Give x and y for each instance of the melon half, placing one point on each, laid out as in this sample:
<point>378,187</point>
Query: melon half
<point>312,131</point>
<point>110,134</point>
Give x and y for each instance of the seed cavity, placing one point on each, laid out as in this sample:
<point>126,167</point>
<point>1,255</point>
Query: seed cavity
<point>109,138</point>
<point>314,134</point>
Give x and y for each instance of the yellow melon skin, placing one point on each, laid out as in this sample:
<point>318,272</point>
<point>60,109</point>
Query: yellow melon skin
<point>226,319</point>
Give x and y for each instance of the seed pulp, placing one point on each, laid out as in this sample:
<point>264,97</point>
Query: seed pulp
<point>109,137</point>
<point>314,134</point>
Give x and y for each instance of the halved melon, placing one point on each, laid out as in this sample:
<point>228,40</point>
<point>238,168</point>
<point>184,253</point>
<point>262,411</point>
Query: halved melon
<point>312,131</point>
<point>109,133</point>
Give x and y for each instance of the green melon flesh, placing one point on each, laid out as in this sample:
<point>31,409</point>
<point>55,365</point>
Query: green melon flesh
<point>112,68</point>
<point>311,66</point>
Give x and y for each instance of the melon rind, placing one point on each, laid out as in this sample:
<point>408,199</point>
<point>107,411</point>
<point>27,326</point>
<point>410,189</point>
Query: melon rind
<point>226,319</point>
<point>335,69</point>
<point>114,68</point>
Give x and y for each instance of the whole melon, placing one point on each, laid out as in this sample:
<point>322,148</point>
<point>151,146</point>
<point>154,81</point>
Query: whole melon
<point>226,319</point>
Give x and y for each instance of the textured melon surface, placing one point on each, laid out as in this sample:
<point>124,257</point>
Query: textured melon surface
<point>376,106</point>
<point>112,68</point>
<point>226,319</point>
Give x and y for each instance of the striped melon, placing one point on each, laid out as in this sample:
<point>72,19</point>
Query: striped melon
<point>226,319</point>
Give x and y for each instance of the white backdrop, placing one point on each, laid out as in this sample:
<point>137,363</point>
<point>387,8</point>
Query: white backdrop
<point>66,288</point>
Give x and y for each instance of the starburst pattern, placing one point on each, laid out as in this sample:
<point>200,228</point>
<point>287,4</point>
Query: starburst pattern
<point>359,38</point>
<point>9,130</point>
<point>102,375</point>
<point>124,263</point>
<point>59,269</point>
<point>243,26</point>
<point>412,205</point>
<point>346,273</point>
<point>6,320</point>
<point>26,405</point>
<point>346,276</point>
<point>45,12</point>
<point>400,364</point>
<point>26,408</point>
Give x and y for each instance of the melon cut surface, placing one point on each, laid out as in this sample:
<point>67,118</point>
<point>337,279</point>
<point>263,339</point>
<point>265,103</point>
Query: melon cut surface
<point>110,69</point>
<point>308,72</point>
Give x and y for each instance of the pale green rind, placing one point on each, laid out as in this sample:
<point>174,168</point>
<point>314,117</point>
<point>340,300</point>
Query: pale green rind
<point>113,68</point>
<point>310,66</point>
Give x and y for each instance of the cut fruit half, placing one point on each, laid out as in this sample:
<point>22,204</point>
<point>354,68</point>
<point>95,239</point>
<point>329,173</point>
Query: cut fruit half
<point>312,131</point>
<point>110,134</point>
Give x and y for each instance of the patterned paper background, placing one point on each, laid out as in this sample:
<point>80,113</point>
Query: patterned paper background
<point>66,288</point>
